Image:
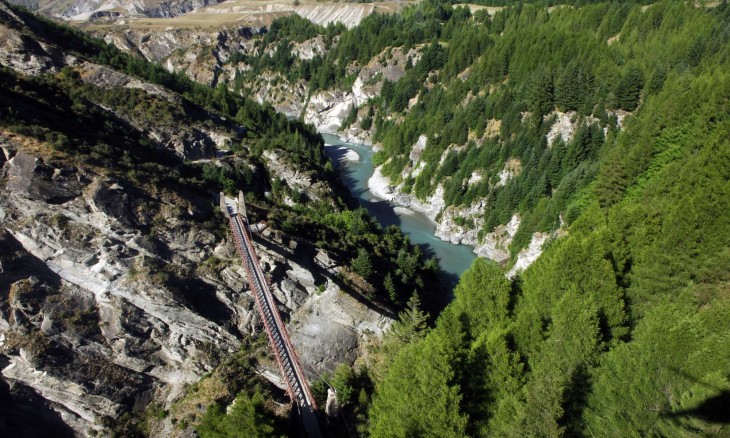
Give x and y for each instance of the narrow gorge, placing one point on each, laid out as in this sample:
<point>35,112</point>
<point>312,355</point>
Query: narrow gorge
<point>488,219</point>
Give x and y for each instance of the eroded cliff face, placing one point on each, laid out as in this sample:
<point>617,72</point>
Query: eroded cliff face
<point>115,295</point>
<point>203,44</point>
<point>200,53</point>
<point>328,109</point>
<point>116,292</point>
<point>105,9</point>
<point>98,314</point>
<point>206,58</point>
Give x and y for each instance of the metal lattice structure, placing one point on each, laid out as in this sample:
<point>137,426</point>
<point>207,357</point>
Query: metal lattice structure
<point>286,357</point>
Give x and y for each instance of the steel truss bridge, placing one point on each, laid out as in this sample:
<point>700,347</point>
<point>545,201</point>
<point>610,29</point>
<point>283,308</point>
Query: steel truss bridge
<point>296,381</point>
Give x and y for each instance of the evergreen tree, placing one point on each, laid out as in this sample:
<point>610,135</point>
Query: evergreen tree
<point>418,400</point>
<point>541,94</point>
<point>571,90</point>
<point>628,89</point>
<point>483,297</point>
<point>557,386</point>
<point>657,80</point>
<point>411,324</point>
<point>362,264</point>
<point>611,182</point>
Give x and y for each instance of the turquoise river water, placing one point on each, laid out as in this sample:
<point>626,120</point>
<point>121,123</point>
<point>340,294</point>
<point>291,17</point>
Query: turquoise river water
<point>453,259</point>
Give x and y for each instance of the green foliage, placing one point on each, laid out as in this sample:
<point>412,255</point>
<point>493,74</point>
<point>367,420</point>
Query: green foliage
<point>671,365</point>
<point>372,252</point>
<point>389,286</point>
<point>482,297</point>
<point>572,88</point>
<point>362,265</point>
<point>246,417</point>
<point>408,329</point>
<point>292,28</point>
<point>516,68</point>
<point>411,324</point>
<point>343,381</point>
<point>628,89</point>
<point>620,325</point>
<point>418,400</point>
<point>219,176</point>
<point>541,98</point>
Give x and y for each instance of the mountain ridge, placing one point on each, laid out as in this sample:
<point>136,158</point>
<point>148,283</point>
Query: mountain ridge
<point>87,10</point>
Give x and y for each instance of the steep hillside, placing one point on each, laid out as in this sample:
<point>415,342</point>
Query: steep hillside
<point>202,43</point>
<point>619,327</point>
<point>204,13</point>
<point>492,122</point>
<point>85,10</point>
<point>595,134</point>
<point>119,285</point>
<point>582,148</point>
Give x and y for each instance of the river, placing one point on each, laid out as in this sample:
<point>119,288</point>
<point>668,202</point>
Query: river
<point>453,259</point>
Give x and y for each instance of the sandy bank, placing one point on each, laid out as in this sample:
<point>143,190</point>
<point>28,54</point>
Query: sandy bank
<point>379,185</point>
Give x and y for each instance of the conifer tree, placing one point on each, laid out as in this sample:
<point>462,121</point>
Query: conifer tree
<point>628,89</point>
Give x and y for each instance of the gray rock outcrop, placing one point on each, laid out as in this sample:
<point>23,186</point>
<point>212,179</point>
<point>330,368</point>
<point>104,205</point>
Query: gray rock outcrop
<point>116,292</point>
<point>108,304</point>
<point>100,9</point>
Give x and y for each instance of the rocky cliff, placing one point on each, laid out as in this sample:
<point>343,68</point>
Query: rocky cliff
<point>120,288</point>
<point>99,316</point>
<point>84,10</point>
<point>200,54</point>
<point>204,54</point>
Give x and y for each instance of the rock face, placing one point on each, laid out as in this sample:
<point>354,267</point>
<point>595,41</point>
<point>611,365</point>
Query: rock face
<point>196,140</point>
<point>324,14</point>
<point>29,175</point>
<point>199,53</point>
<point>328,109</point>
<point>23,53</point>
<point>95,317</point>
<point>115,294</point>
<point>565,125</point>
<point>96,9</point>
<point>328,325</point>
<point>496,244</point>
<point>100,315</point>
<point>310,48</point>
<point>380,186</point>
<point>303,182</point>
<point>528,255</point>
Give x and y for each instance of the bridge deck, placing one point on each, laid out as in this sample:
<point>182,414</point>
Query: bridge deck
<point>291,370</point>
